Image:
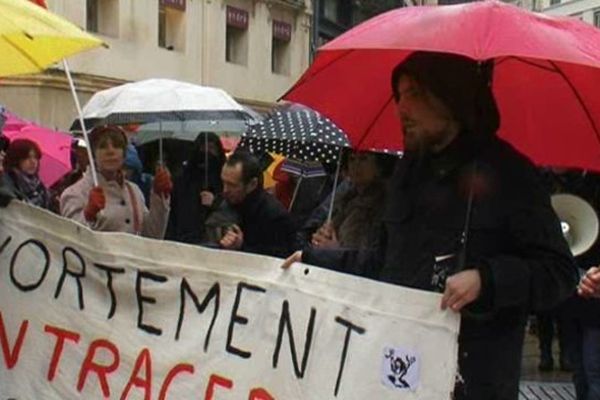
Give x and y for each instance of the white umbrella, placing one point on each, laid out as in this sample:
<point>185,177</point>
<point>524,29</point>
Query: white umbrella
<point>167,101</point>
<point>166,109</point>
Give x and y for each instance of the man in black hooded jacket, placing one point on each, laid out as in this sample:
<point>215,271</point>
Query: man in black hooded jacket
<point>468,216</point>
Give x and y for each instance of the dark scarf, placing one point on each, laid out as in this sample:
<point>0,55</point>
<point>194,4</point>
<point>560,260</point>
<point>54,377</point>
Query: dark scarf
<point>31,188</point>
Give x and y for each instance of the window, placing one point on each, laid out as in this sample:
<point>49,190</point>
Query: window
<point>597,18</point>
<point>280,50</point>
<point>554,2</point>
<point>102,16</point>
<point>331,10</point>
<point>280,57</point>
<point>236,36</point>
<point>92,15</point>
<point>171,24</point>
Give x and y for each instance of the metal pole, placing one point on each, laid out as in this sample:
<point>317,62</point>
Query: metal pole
<point>82,123</point>
<point>335,183</point>
<point>295,193</point>
<point>205,161</point>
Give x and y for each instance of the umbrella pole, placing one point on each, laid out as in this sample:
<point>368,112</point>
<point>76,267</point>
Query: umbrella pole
<point>295,192</point>
<point>160,145</point>
<point>335,183</point>
<point>82,123</point>
<point>205,161</point>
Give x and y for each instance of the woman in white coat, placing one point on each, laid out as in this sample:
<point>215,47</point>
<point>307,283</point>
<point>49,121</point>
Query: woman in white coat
<point>116,204</point>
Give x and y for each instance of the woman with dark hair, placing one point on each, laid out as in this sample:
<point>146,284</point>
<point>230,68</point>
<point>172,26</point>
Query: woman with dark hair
<point>356,220</point>
<point>197,191</point>
<point>116,204</point>
<point>21,166</point>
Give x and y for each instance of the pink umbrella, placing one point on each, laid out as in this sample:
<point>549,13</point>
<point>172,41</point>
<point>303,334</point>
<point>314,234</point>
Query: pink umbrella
<point>13,123</point>
<point>56,146</point>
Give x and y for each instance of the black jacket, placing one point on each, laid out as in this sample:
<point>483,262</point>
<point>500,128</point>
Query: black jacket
<point>188,216</point>
<point>267,226</point>
<point>514,240</point>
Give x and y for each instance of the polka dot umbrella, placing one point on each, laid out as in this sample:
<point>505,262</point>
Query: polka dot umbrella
<point>299,133</point>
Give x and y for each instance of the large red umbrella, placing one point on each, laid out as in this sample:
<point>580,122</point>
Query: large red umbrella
<point>546,76</point>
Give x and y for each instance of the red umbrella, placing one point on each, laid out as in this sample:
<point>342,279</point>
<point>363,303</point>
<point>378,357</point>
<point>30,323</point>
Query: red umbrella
<point>546,76</point>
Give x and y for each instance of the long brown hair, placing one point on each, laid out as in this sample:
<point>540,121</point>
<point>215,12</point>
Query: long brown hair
<point>19,150</point>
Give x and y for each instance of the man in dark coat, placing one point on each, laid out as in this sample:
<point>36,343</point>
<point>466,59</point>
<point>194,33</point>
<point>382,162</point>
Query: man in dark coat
<point>468,216</point>
<point>265,225</point>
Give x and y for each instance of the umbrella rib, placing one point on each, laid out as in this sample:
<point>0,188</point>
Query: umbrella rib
<point>24,54</point>
<point>579,99</point>
<point>529,63</point>
<point>364,136</point>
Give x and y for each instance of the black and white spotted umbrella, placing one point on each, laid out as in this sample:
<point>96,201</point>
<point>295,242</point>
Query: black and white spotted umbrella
<point>298,133</point>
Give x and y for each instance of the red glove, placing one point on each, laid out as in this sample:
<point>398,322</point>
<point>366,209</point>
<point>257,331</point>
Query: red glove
<point>162,182</point>
<point>96,202</point>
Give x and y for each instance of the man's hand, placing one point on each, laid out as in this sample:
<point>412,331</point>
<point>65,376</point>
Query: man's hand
<point>233,239</point>
<point>294,258</point>
<point>462,289</point>
<point>325,237</point>
<point>207,198</point>
<point>590,283</point>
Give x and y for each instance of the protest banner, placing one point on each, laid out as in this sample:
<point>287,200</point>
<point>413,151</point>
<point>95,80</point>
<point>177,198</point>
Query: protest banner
<point>90,315</point>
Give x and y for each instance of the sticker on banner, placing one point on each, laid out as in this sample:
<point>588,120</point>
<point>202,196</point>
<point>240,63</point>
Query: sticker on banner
<point>400,368</point>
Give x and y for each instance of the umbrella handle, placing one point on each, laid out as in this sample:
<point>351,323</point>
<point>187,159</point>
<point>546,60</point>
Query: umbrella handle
<point>82,123</point>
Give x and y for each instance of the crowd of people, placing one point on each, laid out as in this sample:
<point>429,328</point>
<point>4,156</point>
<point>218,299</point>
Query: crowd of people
<point>462,213</point>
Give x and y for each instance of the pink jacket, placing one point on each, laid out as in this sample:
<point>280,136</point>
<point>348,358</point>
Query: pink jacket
<point>123,204</point>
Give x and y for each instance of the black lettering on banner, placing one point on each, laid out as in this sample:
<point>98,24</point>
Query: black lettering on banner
<point>285,323</point>
<point>6,242</point>
<point>213,293</point>
<point>238,319</point>
<point>25,287</point>
<point>350,327</point>
<point>109,279</point>
<point>145,299</point>
<point>77,275</point>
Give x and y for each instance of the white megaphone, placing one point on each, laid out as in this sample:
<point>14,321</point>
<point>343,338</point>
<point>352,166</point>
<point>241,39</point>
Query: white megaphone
<point>578,220</point>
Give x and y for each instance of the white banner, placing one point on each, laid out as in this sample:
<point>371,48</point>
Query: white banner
<point>87,315</point>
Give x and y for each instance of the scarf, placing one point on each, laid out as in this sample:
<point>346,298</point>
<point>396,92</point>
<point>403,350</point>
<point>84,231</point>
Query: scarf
<point>31,188</point>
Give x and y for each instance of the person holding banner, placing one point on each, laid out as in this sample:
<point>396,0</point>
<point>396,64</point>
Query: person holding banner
<point>265,225</point>
<point>21,176</point>
<point>116,204</point>
<point>467,216</point>
<point>356,219</point>
<point>590,283</point>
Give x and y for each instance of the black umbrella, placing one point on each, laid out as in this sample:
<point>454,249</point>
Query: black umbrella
<point>299,133</point>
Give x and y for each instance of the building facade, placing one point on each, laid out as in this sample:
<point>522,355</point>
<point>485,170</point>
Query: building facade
<point>254,49</point>
<point>334,17</point>
<point>586,10</point>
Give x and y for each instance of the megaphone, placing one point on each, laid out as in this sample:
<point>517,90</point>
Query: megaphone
<point>578,220</point>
